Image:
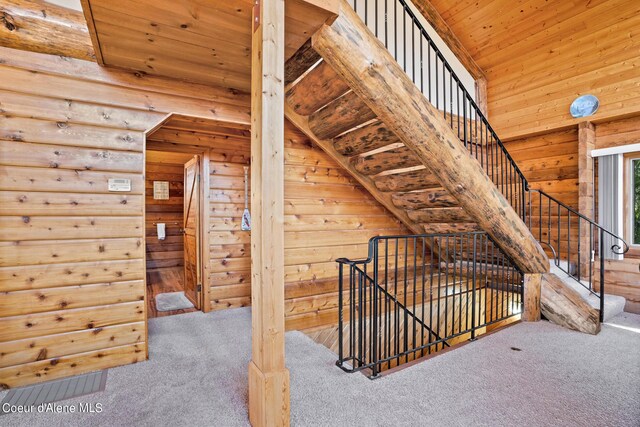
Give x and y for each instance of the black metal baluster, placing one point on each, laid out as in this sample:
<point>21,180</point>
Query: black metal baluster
<point>340,312</point>
<point>446,301</point>
<point>406,284</point>
<point>473,293</point>
<point>569,243</point>
<point>424,255</point>
<point>602,254</point>
<point>432,267</point>
<point>415,281</point>
<point>395,306</point>
<point>439,286</point>
<point>374,315</point>
<point>386,300</point>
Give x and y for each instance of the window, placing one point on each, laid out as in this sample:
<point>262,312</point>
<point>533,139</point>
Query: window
<point>635,201</point>
<point>632,199</point>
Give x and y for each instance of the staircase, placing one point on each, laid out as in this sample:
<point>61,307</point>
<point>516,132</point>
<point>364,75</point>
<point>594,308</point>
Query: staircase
<point>424,150</point>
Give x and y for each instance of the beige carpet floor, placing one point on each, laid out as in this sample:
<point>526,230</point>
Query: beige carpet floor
<point>197,377</point>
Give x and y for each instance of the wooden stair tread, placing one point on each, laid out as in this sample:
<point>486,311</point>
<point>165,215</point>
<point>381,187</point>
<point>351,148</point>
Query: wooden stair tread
<point>445,228</point>
<point>429,198</point>
<point>407,181</point>
<point>316,89</point>
<point>364,139</point>
<point>396,158</point>
<point>439,215</point>
<point>340,115</point>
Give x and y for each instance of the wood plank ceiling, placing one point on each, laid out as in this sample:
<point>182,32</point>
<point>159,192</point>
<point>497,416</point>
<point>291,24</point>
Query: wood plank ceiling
<point>196,40</point>
<point>538,55</point>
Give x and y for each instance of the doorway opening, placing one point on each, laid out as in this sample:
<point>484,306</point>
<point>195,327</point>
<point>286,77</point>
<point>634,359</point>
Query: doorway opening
<point>172,212</point>
<point>195,243</point>
<point>174,203</point>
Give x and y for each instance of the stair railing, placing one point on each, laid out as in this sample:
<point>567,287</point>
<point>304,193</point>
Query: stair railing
<point>401,31</point>
<point>571,237</point>
<point>405,302</point>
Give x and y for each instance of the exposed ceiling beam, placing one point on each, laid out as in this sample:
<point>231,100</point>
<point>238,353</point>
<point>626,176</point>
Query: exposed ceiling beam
<point>37,26</point>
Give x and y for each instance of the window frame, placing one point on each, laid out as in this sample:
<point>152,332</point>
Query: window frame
<point>628,188</point>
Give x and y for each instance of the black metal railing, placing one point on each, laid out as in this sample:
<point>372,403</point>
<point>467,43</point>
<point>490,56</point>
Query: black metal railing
<point>572,239</point>
<point>415,295</point>
<point>399,28</point>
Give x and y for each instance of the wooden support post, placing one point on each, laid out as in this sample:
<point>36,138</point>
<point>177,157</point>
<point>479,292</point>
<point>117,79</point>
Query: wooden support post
<point>373,74</point>
<point>586,143</point>
<point>532,290</point>
<point>268,377</point>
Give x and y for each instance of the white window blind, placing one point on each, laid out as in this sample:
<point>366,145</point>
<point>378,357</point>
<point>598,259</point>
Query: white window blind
<point>610,200</point>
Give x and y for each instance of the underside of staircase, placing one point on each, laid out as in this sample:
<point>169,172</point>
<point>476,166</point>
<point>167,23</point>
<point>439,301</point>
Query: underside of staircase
<point>347,93</point>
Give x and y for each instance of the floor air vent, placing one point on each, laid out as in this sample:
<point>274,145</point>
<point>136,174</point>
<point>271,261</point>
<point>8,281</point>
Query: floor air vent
<point>54,391</point>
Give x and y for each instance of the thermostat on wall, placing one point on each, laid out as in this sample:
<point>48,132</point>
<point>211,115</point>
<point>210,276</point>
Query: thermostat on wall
<point>119,184</point>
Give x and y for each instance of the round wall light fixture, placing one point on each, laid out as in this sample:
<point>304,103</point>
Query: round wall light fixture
<point>583,106</point>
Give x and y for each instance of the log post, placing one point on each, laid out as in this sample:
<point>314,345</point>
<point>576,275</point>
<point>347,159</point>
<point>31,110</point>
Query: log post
<point>532,290</point>
<point>373,74</point>
<point>586,143</point>
<point>268,377</point>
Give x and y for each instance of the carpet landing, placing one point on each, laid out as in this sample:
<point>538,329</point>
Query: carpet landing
<point>197,376</point>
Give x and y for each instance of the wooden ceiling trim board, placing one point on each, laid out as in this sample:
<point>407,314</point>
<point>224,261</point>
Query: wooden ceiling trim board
<point>444,31</point>
<point>91,26</point>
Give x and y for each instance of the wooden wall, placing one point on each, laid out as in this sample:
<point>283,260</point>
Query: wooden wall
<point>550,163</point>
<point>229,246</point>
<point>327,216</point>
<point>620,132</point>
<point>164,166</point>
<point>591,48</point>
<point>71,253</point>
<point>539,55</point>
